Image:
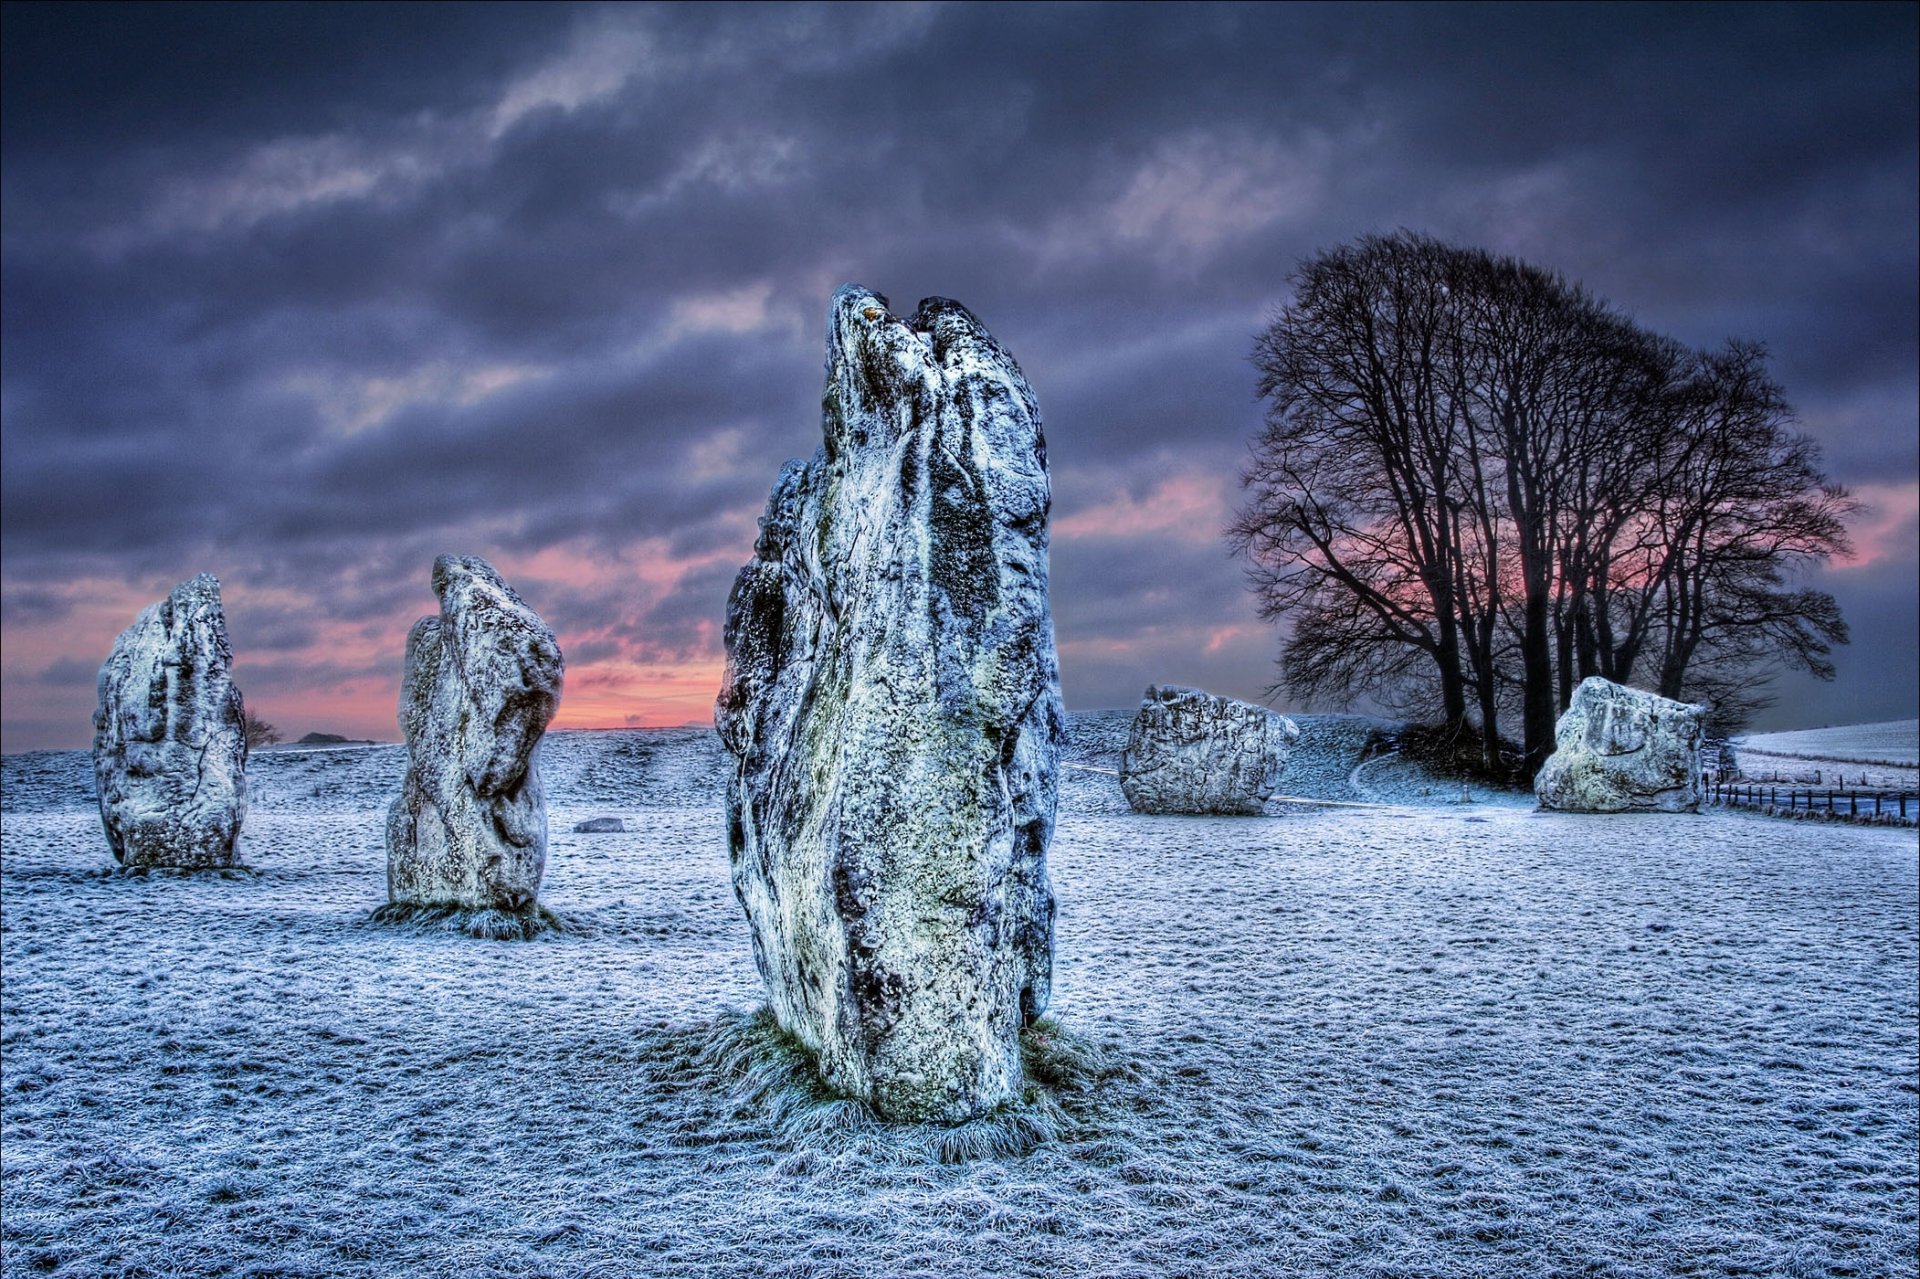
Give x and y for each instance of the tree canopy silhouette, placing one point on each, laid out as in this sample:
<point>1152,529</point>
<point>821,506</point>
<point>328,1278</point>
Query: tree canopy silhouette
<point>1478,485</point>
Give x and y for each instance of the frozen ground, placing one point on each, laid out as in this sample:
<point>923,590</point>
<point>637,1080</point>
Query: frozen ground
<point>1893,742</point>
<point>1460,1039</point>
<point>1885,755</point>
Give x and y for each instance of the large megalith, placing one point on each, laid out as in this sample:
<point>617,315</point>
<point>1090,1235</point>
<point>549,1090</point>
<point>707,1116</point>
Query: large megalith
<point>169,747</point>
<point>892,709</point>
<point>468,833</point>
<point>1193,752</point>
<point>1618,749</point>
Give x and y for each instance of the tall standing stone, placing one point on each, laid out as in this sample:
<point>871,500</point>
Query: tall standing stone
<point>1618,749</point>
<point>892,707</point>
<point>169,747</point>
<point>469,830</point>
<point>1198,753</point>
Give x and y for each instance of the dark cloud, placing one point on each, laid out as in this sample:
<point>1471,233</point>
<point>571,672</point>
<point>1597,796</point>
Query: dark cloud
<point>102,78</point>
<point>72,672</point>
<point>310,293</point>
<point>1877,678</point>
<point>34,605</point>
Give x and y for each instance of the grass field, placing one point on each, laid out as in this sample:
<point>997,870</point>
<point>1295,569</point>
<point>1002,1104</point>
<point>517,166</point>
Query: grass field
<point>1421,1039</point>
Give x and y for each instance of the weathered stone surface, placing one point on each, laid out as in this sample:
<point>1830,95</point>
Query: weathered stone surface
<point>1619,750</point>
<point>169,755</point>
<point>599,826</point>
<point>892,707</point>
<point>1193,752</point>
<point>469,830</point>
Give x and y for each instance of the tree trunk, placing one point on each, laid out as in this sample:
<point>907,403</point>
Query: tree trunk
<point>1538,709</point>
<point>1453,692</point>
<point>1489,725</point>
<point>1564,632</point>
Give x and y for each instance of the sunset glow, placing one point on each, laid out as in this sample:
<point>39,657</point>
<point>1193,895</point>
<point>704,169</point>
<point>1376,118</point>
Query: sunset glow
<point>1888,529</point>
<point>305,296</point>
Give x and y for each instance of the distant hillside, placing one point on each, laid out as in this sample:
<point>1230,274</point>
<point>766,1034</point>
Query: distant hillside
<point>1886,754</point>
<point>1895,741</point>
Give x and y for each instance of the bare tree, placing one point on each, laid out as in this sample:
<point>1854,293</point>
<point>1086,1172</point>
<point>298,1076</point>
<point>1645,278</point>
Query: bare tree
<point>258,732</point>
<point>1732,499</point>
<point>1477,485</point>
<point>1349,524</point>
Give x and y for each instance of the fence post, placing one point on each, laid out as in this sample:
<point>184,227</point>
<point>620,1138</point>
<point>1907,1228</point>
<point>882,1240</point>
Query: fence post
<point>1853,803</point>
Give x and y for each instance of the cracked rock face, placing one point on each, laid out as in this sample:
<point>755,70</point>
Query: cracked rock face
<point>169,750</point>
<point>1618,750</point>
<point>892,710</point>
<point>1192,752</point>
<point>469,829</point>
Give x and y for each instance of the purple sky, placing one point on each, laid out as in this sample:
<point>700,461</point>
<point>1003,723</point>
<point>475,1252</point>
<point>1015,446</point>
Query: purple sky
<point>304,296</point>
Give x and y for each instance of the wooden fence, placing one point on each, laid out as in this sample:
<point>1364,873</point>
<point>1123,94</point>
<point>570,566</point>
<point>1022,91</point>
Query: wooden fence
<point>1904,805</point>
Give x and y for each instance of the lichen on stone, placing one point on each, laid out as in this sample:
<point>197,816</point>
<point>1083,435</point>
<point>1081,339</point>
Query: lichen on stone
<point>1193,752</point>
<point>1619,749</point>
<point>169,747</point>
<point>892,708</point>
<point>483,678</point>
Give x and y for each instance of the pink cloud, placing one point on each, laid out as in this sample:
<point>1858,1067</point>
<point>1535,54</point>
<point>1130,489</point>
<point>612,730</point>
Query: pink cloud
<point>342,675</point>
<point>1191,506</point>
<point>615,695</point>
<point>1221,636</point>
<point>1888,527</point>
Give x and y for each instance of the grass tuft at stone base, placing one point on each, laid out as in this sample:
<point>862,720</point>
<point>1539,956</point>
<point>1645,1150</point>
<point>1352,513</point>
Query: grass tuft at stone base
<point>488,925</point>
<point>774,1073</point>
<point>178,872</point>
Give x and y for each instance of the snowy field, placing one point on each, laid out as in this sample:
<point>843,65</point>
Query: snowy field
<point>1885,755</point>
<point>1428,1038</point>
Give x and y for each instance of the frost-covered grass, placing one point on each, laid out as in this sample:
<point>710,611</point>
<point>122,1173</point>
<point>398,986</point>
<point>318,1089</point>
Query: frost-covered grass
<point>1455,1040</point>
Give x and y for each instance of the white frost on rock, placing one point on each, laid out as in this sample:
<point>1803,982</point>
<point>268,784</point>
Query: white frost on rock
<point>1618,749</point>
<point>892,707</point>
<point>469,830</point>
<point>1193,752</point>
<point>169,752</point>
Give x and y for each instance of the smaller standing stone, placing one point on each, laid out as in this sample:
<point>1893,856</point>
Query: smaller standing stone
<point>1619,749</point>
<point>169,753</point>
<point>469,830</point>
<point>1193,752</point>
